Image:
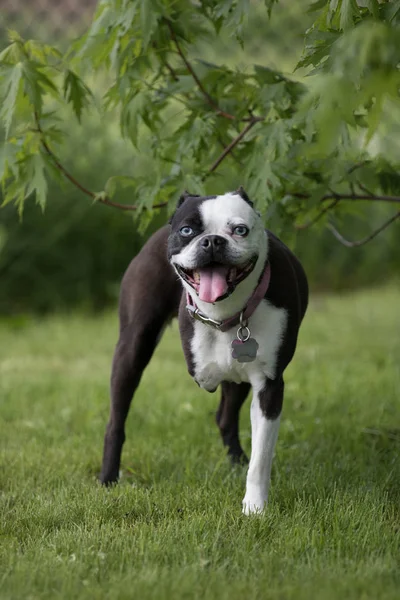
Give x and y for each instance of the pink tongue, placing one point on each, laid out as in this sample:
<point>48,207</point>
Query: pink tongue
<point>213,283</point>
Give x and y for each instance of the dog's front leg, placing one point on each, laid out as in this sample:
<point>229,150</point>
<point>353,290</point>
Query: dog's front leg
<point>232,397</point>
<point>265,413</point>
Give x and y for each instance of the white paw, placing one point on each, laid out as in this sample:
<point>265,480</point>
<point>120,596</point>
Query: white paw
<point>254,503</point>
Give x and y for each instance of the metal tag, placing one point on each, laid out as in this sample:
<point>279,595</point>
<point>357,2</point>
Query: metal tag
<point>244,348</point>
<point>244,351</point>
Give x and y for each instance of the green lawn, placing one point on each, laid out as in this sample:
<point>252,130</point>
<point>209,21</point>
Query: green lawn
<point>173,528</point>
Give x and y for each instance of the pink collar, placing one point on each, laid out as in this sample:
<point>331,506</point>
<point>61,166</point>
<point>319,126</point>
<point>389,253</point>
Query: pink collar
<point>239,317</point>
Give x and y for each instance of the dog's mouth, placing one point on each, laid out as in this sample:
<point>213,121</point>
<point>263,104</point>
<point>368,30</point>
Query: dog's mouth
<point>216,281</point>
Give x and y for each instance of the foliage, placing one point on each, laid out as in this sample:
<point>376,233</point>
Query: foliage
<point>72,254</point>
<point>172,528</point>
<point>307,146</point>
<point>332,267</point>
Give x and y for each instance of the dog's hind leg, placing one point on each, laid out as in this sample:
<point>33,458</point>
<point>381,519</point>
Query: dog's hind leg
<point>232,397</point>
<point>134,349</point>
<point>266,407</point>
<point>150,295</point>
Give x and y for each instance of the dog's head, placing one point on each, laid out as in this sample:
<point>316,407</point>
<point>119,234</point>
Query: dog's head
<point>216,243</point>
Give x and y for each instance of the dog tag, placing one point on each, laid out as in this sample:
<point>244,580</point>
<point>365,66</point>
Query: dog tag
<point>244,348</point>
<point>244,351</point>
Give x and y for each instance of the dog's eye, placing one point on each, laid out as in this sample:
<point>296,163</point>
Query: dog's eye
<point>186,231</point>
<point>241,230</point>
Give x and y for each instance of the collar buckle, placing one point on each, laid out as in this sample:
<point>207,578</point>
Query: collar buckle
<point>196,314</point>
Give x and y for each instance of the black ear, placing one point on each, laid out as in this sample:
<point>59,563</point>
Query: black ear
<point>243,195</point>
<point>181,200</point>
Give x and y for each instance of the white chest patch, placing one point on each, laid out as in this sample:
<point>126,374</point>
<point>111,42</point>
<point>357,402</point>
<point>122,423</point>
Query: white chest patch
<point>211,350</point>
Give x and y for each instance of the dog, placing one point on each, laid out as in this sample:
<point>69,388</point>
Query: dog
<point>240,296</point>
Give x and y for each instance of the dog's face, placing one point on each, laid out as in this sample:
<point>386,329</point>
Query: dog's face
<point>215,243</point>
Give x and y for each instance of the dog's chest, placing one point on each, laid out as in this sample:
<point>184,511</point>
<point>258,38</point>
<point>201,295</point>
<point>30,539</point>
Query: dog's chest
<point>212,352</point>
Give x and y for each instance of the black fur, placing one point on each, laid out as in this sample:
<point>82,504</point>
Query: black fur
<point>271,398</point>
<point>232,397</point>
<point>150,296</point>
<point>244,196</point>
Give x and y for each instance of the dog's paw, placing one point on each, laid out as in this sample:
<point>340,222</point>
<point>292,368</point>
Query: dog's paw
<point>110,479</point>
<point>238,459</point>
<point>254,503</point>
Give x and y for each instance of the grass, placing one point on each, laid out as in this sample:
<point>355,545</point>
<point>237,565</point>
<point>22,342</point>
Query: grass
<point>173,527</point>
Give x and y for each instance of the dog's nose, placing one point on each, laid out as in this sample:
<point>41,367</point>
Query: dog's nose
<point>213,242</point>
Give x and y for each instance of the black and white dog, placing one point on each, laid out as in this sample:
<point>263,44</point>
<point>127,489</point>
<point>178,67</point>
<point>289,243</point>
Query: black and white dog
<point>244,296</point>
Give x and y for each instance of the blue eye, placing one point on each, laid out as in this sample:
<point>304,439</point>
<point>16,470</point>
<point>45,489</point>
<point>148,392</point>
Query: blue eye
<point>241,230</point>
<point>186,231</point>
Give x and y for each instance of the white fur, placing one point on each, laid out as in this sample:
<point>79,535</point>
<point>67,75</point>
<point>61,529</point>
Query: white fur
<point>211,349</point>
<point>264,433</point>
<point>219,216</point>
<point>213,362</point>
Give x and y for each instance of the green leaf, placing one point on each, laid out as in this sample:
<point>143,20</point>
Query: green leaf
<point>148,19</point>
<point>119,182</point>
<point>14,36</point>
<point>373,7</point>
<point>260,178</point>
<point>76,92</point>
<point>10,85</point>
<point>266,75</point>
<point>37,83</point>
<point>8,159</point>
<point>41,52</point>
<point>312,133</point>
<point>392,10</point>
<point>15,192</point>
<point>146,217</point>
<point>194,183</point>
<point>389,180</point>
<point>278,139</point>
<point>317,6</point>
<point>318,46</point>
<point>12,54</point>
<point>269,5</point>
<point>131,113</point>
<point>348,11</point>
<point>38,183</point>
<point>333,4</point>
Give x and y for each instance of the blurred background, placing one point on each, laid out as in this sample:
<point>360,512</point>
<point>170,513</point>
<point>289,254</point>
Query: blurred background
<point>74,254</point>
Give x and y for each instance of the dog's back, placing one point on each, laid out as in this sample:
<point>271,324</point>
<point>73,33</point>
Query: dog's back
<point>150,275</point>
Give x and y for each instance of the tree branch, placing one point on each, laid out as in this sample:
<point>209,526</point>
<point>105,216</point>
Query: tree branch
<point>368,238</point>
<point>104,199</point>
<point>364,189</point>
<point>189,67</point>
<point>233,143</point>
<point>96,197</point>
<point>357,166</point>
<point>171,70</point>
<point>166,64</point>
<point>319,216</point>
<point>350,196</point>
